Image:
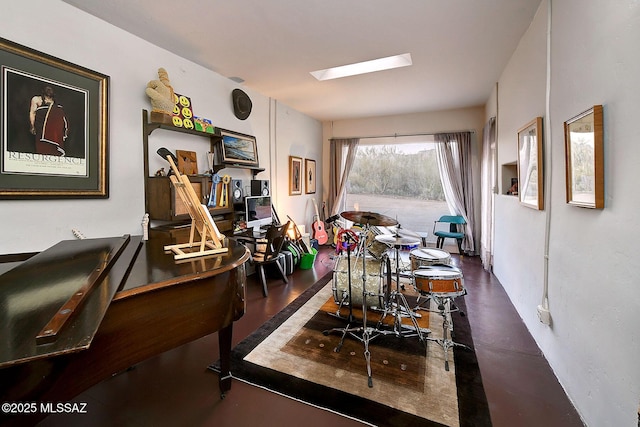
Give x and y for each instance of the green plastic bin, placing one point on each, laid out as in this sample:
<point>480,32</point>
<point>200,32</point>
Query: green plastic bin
<point>307,261</point>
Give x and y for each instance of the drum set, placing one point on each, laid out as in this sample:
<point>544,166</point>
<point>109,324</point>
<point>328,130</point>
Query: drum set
<point>371,260</point>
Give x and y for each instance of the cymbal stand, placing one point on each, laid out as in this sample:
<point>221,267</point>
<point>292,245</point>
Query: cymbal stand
<point>367,335</point>
<point>347,240</point>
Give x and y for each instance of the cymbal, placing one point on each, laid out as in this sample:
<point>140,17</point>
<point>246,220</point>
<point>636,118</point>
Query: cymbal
<point>393,240</point>
<point>404,232</point>
<point>368,218</point>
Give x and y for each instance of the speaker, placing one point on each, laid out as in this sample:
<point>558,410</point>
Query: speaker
<point>236,190</point>
<point>259,187</point>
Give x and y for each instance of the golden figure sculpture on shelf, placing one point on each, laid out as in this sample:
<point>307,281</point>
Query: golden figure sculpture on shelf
<point>162,99</point>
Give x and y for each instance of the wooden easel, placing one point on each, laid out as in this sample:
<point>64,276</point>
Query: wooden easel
<point>201,221</point>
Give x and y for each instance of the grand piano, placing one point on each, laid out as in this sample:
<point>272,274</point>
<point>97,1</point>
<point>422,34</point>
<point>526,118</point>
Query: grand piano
<point>84,310</point>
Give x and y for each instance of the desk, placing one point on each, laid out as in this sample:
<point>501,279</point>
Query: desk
<point>160,304</point>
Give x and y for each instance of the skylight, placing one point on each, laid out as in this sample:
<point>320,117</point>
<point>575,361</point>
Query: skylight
<point>380,64</point>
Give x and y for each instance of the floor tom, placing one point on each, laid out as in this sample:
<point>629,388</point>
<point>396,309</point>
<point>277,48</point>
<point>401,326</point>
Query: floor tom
<point>439,280</point>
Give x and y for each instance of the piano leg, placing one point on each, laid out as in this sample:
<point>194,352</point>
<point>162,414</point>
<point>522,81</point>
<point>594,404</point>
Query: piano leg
<point>224,342</point>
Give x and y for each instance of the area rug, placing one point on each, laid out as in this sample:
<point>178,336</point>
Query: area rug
<point>291,355</point>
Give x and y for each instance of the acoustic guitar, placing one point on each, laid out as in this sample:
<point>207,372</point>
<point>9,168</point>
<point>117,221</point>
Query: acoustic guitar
<point>319,232</point>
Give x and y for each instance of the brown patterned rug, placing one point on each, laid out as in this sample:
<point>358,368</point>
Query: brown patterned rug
<point>292,355</point>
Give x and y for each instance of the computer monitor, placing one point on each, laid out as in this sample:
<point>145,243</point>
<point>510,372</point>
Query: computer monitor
<point>257,211</point>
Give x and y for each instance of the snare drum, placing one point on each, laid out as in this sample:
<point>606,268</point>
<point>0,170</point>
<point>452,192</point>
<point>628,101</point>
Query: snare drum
<point>424,257</point>
<point>375,248</point>
<point>439,280</point>
<point>375,283</point>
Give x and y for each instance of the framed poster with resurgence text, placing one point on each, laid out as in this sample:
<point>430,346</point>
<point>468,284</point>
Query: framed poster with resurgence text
<point>54,127</point>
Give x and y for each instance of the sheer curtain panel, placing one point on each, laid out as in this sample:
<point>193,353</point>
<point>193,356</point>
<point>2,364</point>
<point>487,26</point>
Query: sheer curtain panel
<point>488,185</point>
<point>342,155</point>
<point>453,152</point>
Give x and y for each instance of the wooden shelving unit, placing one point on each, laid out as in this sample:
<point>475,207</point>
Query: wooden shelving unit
<point>161,201</point>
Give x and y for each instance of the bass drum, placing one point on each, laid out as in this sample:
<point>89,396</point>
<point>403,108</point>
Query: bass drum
<point>376,283</point>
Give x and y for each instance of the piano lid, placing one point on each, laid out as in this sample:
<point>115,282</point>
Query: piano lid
<point>60,295</point>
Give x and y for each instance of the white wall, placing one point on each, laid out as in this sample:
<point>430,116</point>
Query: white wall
<point>34,225</point>
<point>592,343</point>
<point>518,229</point>
<point>303,138</point>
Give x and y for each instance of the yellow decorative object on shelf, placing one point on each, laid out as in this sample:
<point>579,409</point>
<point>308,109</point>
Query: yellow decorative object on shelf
<point>161,95</point>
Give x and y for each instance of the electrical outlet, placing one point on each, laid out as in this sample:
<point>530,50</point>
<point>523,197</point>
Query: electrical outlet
<point>544,315</point>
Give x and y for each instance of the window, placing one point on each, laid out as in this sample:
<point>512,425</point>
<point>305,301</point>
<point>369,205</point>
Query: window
<point>398,178</point>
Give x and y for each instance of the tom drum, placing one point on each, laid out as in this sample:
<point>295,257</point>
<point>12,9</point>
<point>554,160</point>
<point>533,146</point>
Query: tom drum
<point>375,248</point>
<point>423,257</point>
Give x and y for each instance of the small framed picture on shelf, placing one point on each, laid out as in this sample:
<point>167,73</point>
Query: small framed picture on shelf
<point>238,149</point>
<point>187,162</point>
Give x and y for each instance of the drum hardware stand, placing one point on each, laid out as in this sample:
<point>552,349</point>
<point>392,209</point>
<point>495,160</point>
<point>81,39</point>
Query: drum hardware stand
<point>419,306</point>
<point>366,331</point>
<point>350,319</point>
<point>444,307</point>
<point>401,304</point>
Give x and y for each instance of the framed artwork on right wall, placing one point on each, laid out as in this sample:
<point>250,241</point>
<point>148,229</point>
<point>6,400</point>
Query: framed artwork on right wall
<point>584,159</point>
<point>530,170</point>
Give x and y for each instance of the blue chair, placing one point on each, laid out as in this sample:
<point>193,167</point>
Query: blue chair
<point>455,230</point>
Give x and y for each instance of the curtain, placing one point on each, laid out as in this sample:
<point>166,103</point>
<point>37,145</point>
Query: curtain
<point>453,152</point>
<point>342,155</point>
<point>488,186</point>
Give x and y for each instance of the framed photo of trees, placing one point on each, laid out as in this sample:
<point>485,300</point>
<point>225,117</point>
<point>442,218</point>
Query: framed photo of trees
<point>530,171</point>
<point>584,158</point>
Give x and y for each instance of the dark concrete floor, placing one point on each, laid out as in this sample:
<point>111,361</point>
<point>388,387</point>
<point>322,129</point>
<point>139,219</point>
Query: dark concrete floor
<point>176,389</point>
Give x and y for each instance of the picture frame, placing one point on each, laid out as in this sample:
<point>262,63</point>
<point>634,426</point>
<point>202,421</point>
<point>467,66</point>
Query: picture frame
<point>530,165</point>
<point>309,176</point>
<point>295,175</point>
<point>584,159</point>
<point>238,149</point>
<point>53,127</point>
<point>187,162</point>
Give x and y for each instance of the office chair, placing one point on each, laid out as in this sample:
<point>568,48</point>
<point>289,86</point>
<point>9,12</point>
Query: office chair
<point>456,230</point>
<point>268,251</point>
